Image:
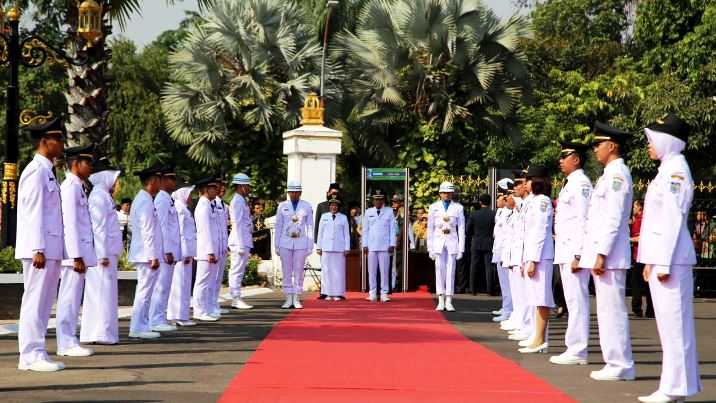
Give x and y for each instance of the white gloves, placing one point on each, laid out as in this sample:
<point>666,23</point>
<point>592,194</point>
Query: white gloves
<point>432,256</point>
<point>459,256</point>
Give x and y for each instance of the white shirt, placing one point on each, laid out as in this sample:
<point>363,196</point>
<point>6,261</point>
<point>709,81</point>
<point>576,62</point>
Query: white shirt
<point>147,236</point>
<point>379,229</point>
<point>608,219</point>
<point>105,228</point>
<point>241,238</point>
<point>79,242</point>
<point>446,228</point>
<point>294,228</point>
<point>333,233</point>
<point>538,243</point>
<point>207,235</point>
<point>222,224</point>
<point>570,218</point>
<point>39,212</point>
<point>498,233</point>
<point>518,234</point>
<point>507,234</point>
<point>169,224</point>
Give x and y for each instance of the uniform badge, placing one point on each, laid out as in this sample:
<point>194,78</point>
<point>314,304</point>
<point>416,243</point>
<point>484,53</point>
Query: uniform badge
<point>543,206</point>
<point>446,218</point>
<point>585,192</point>
<point>675,187</point>
<point>617,183</point>
<point>677,177</point>
<point>294,218</point>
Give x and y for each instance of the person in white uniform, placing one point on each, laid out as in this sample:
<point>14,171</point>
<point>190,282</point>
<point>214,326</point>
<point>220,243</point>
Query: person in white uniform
<point>499,236</point>
<point>333,244</point>
<point>606,252</point>
<point>171,246</point>
<point>79,247</point>
<point>293,242</point>
<point>509,229</point>
<point>207,250</point>
<point>446,243</point>
<point>378,242</point>
<point>241,238</point>
<point>666,250</point>
<point>100,324</point>
<point>222,226</point>
<point>537,258</point>
<point>523,326</point>
<point>570,222</point>
<point>180,295</point>
<point>39,245</point>
<point>145,251</point>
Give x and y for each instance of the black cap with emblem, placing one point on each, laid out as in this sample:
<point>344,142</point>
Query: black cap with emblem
<point>334,200</point>
<point>536,171</point>
<point>53,128</point>
<point>605,132</point>
<point>378,194</point>
<point>86,153</point>
<point>154,170</point>
<point>569,148</point>
<point>672,125</point>
<point>206,182</point>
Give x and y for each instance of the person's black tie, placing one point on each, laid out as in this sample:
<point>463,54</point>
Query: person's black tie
<point>334,217</point>
<point>378,210</point>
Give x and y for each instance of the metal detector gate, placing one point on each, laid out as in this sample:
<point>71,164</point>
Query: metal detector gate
<point>387,175</point>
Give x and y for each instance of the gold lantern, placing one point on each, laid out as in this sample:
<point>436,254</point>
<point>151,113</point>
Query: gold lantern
<point>90,21</point>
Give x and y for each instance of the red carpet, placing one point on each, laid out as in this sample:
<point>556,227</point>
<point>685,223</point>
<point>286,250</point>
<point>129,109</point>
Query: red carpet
<point>357,351</point>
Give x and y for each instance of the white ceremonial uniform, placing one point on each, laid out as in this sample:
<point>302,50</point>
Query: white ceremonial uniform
<point>180,296</point>
<point>446,241</point>
<point>333,241</point>
<point>570,222</point>
<point>520,293</point>
<point>240,242</point>
<point>499,236</point>
<point>39,229</point>
<point>512,274</point>
<point>171,243</point>
<point>378,237</point>
<point>99,307</point>
<point>294,241</point>
<point>666,245</point>
<point>222,227</point>
<point>607,233</point>
<point>79,243</point>
<point>146,245</point>
<point>207,243</point>
<point>539,248</point>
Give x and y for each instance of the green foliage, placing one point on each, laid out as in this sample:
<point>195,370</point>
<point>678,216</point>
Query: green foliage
<point>251,275</point>
<point>8,263</point>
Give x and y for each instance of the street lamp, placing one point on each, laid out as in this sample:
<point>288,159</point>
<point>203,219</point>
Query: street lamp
<point>331,4</point>
<point>32,52</point>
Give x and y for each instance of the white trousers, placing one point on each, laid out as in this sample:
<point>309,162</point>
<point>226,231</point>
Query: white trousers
<point>293,262</point>
<point>674,311</point>
<point>613,322</point>
<point>333,274</point>
<point>180,295</point>
<point>204,288</point>
<point>146,280</point>
<point>160,296</point>
<point>378,260</point>
<point>69,300</point>
<point>99,307</point>
<point>218,282</point>
<point>516,295</point>
<point>576,295</point>
<point>237,271</point>
<point>40,292</point>
<point>503,274</point>
<point>445,273</point>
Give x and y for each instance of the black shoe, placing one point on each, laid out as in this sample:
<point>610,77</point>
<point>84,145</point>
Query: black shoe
<point>638,314</point>
<point>650,315</point>
<point>322,296</point>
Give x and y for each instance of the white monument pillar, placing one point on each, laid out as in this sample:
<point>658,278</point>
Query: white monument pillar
<point>311,151</point>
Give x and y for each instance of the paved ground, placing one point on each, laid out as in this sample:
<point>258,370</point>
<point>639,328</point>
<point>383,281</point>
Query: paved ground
<point>473,320</point>
<point>196,364</point>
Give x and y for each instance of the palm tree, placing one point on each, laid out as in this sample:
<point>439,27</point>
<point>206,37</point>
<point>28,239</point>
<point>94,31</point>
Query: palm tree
<point>245,69</point>
<point>436,61</point>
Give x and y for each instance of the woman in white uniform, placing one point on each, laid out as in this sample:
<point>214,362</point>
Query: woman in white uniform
<point>333,245</point>
<point>180,295</point>
<point>99,309</point>
<point>666,250</point>
<point>537,258</point>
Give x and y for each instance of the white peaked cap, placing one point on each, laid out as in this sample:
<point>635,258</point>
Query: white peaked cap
<point>294,186</point>
<point>446,187</point>
<point>503,183</point>
<point>241,179</point>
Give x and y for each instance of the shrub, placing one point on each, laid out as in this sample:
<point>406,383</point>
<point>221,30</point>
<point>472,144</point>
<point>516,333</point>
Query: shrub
<point>8,263</point>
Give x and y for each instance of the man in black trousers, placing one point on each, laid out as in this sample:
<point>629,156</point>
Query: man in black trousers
<point>480,228</point>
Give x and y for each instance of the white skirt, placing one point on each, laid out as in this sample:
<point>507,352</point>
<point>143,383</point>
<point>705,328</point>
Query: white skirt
<point>99,308</point>
<point>333,269</point>
<point>539,287</point>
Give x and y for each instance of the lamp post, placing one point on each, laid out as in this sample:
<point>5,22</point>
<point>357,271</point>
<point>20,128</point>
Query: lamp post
<point>331,4</point>
<point>31,51</point>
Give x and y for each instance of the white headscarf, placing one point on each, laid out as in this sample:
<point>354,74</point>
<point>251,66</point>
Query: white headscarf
<point>666,145</point>
<point>104,179</point>
<point>181,195</point>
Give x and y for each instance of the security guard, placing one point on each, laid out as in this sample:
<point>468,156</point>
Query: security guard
<point>333,244</point>
<point>100,324</point>
<point>145,251</point>
<point>180,296</point>
<point>39,244</point>
<point>207,251</point>
<point>446,243</point>
<point>293,242</point>
<point>240,239</point>
<point>171,246</point>
<point>666,249</point>
<point>79,247</point>
<point>379,242</point>
<point>570,221</point>
<point>606,252</point>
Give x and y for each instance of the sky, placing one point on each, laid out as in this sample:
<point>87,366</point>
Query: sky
<point>157,17</point>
